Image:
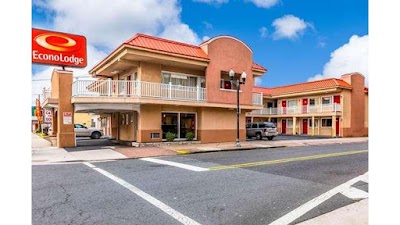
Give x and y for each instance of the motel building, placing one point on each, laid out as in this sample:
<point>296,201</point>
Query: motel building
<point>330,107</point>
<point>150,86</point>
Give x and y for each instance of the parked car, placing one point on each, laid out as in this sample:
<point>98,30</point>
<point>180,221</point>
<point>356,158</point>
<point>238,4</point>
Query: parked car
<point>83,131</point>
<point>261,129</point>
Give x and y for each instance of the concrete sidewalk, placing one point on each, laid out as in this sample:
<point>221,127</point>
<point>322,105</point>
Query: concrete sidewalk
<point>353,214</point>
<point>43,153</point>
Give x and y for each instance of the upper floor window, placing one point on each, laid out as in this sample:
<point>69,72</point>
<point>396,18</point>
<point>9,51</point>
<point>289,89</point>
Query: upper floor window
<point>326,100</point>
<point>311,101</point>
<point>292,103</point>
<point>182,79</point>
<point>226,81</point>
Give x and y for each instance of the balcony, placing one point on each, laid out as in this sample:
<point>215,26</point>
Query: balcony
<point>137,89</point>
<point>326,108</point>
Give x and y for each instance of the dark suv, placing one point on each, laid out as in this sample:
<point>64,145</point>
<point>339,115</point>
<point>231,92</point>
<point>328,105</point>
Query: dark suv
<point>261,129</point>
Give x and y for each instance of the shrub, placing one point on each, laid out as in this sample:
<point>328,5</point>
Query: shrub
<point>170,136</point>
<point>190,136</point>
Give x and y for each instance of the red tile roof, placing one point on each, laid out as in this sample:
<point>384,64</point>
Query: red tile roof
<point>303,87</point>
<point>258,67</point>
<point>167,46</point>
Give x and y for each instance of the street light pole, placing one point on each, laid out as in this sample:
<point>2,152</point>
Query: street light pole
<point>238,83</point>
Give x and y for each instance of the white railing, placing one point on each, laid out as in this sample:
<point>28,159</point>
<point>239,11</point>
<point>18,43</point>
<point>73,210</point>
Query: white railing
<point>298,110</point>
<point>138,89</point>
<point>46,94</point>
<point>257,98</point>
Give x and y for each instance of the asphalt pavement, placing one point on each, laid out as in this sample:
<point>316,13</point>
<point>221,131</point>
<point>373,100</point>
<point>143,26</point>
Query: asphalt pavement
<point>236,187</point>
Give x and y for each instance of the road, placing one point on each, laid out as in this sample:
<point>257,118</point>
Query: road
<point>239,187</point>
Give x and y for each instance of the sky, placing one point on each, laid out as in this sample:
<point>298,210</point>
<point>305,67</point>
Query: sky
<point>297,41</point>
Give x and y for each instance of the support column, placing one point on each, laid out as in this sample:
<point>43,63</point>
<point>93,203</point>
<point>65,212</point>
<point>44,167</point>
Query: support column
<point>269,119</point>
<point>65,113</point>
<point>294,126</point>
<point>334,126</point>
<point>312,126</point>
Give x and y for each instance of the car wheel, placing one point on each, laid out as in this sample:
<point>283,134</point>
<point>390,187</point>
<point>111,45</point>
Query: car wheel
<point>258,136</point>
<point>270,138</point>
<point>95,135</point>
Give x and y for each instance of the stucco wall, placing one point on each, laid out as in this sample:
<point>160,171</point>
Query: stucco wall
<point>225,54</point>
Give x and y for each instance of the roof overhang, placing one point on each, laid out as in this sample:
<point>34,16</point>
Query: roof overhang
<point>127,57</point>
<point>305,93</point>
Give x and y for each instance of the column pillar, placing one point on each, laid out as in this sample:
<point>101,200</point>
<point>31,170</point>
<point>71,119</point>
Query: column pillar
<point>294,126</point>
<point>312,126</point>
<point>65,112</point>
<point>334,126</point>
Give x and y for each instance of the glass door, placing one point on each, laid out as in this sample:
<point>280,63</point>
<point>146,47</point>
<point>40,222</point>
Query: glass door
<point>187,124</point>
<point>169,123</point>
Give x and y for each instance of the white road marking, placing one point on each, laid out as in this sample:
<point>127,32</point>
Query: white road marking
<point>180,165</point>
<point>293,215</point>
<point>355,193</point>
<point>157,203</point>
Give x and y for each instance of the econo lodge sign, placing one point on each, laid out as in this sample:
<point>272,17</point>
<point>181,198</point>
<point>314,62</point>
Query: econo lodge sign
<point>55,48</point>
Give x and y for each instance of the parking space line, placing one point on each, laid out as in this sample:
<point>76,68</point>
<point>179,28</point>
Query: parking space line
<point>303,209</point>
<point>355,193</point>
<point>157,203</point>
<point>302,158</point>
<point>175,164</point>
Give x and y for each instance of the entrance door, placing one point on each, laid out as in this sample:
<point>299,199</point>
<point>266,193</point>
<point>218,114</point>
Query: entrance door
<point>283,126</point>
<point>169,124</point>
<point>284,108</point>
<point>187,124</point>
<point>305,105</point>
<point>337,127</point>
<point>305,126</point>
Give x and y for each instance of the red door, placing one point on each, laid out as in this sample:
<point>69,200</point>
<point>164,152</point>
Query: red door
<point>305,126</point>
<point>284,108</point>
<point>336,100</point>
<point>305,105</point>
<point>283,126</point>
<point>337,127</point>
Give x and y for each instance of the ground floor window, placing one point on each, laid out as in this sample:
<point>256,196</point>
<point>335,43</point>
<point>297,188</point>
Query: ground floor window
<point>326,122</point>
<point>178,123</point>
<point>289,124</point>
<point>315,123</point>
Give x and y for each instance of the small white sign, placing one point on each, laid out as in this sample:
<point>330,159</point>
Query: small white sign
<point>67,117</point>
<point>48,117</point>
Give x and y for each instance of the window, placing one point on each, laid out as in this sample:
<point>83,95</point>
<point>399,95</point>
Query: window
<point>289,123</point>
<point>326,100</point>
<point>179,79</point>
<point>292,103</point>
<point>226,81</point>
<point>254,125</point>
<point>326,122</point>
<point>311,101</point>
<point>315,123</point>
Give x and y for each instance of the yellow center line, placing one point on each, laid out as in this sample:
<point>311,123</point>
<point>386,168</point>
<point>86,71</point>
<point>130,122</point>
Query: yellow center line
<point>303,158</point>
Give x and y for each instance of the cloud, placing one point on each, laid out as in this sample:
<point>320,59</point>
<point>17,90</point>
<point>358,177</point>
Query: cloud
<point>206,38</point>
<point>289,26</point>
<point>351,57</point>
<point>257,81</point>
<point>264,3</point>
<point>212,2</point>
<point>208,25</point>
<point>263,31</point>
<point>106,26</point>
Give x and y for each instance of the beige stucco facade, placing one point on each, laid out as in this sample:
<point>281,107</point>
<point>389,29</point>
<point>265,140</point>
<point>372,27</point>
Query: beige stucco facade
<point>345,114</point>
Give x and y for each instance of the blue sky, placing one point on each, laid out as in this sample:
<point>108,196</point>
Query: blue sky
<point>295,40</point>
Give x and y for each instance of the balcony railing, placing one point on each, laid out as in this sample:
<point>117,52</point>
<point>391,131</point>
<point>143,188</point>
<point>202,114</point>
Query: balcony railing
<point>138,89</point>
<point>299,110</point>
<point>257,98</point>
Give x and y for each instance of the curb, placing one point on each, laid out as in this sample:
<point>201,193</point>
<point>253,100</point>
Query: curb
<point>185,152</point>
